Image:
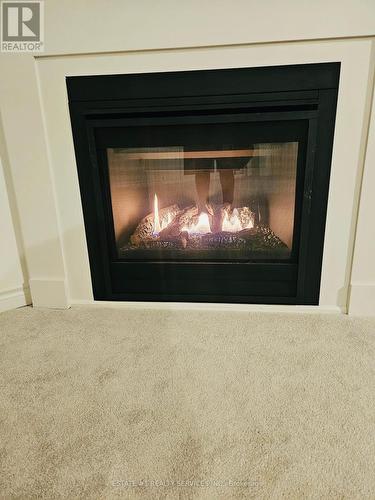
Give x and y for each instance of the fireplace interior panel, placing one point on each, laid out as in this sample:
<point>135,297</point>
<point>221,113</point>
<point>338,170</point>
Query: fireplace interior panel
<point>206,186</point>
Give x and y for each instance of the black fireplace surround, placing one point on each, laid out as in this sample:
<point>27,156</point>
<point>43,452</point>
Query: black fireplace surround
<point>206,186</point>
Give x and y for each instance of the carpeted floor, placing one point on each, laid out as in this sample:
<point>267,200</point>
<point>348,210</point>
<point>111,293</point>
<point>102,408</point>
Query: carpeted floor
<point>112,403</point>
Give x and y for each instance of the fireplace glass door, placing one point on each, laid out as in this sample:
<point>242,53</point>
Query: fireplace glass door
<point>225,197</point>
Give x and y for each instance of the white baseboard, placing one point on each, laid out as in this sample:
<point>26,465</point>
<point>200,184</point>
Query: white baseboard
<point>16,297</point>
<point>362,299</point>
<point>200,306</point>
<point>49,293</point>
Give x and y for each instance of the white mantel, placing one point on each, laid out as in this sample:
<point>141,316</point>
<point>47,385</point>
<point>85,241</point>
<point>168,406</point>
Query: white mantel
<point>38,136</point>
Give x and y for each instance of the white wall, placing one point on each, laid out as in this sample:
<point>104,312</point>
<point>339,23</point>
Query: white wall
<point>25,138</point>
<point>12,291</point>
<point>362,297</point>
<point>125,36</point>
<point>98,26</point>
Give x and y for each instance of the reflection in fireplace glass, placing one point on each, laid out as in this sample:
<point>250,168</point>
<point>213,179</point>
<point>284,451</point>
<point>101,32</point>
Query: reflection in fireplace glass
<point>204,203</point>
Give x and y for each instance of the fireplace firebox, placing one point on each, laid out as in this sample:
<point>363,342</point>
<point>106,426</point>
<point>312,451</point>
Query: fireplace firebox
<point>206,186</point>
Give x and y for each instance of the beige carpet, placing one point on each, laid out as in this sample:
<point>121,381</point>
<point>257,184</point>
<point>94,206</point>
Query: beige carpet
<point>111,403</point>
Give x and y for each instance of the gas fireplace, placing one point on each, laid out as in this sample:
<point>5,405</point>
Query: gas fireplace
<point>206,185</point>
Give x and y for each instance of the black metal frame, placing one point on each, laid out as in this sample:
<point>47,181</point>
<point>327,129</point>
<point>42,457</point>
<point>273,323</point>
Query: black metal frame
<point>102,107</point>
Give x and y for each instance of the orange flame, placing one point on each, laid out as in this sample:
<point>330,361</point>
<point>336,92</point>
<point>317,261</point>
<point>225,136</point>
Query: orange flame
<point>157,226</point>
<point>202,226</point>
<point>233,224</point>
